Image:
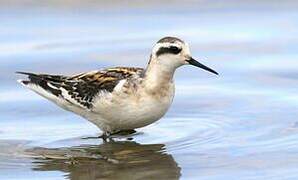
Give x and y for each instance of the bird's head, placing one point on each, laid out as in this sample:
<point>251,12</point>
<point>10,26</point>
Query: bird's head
<point>172,53</point>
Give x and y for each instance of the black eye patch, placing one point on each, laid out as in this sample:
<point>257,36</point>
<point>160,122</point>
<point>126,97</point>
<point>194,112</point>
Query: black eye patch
<point>168,50</point>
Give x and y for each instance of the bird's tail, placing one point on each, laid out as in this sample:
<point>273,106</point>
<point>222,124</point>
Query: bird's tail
<point>41,84</point>
<point>31,76</point>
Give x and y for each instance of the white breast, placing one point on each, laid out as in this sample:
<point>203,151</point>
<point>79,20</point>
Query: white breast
<point>129,111</point>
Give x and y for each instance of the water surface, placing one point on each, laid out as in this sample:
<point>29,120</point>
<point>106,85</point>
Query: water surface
<point>240,125</point>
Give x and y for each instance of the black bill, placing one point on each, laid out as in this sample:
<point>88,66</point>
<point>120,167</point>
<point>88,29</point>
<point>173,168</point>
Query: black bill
<point>197,64</point>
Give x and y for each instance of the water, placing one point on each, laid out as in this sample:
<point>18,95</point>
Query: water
<point>240,125</point>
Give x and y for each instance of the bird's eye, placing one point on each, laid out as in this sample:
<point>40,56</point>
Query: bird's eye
<point>175,50</point>
<point>168,50</point>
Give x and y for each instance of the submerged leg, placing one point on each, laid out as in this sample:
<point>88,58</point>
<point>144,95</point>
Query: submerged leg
<point>124,132</point>
<point>105,136</point>
<point>108,135</point>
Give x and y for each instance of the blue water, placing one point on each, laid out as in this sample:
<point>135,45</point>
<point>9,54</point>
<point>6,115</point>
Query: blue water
<point>240,125</point>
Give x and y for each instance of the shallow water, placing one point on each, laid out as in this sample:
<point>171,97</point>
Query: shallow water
<point>240,125</point>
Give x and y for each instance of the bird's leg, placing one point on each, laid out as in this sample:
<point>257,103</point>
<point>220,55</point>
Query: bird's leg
<point>108,135</point>
<point>124,132</point>
<point>105,136</point>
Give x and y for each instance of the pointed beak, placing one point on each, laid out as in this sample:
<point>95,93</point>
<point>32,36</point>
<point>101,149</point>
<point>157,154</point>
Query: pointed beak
<point>194,62</point>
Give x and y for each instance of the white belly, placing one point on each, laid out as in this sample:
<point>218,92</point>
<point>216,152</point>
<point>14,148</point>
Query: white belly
<point>130,111</point>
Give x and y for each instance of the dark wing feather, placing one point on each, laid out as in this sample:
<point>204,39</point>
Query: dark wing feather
<point>42,80</point>
<point>82,88</point>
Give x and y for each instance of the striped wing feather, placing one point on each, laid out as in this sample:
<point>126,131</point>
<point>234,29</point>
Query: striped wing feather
<point>82,88</point>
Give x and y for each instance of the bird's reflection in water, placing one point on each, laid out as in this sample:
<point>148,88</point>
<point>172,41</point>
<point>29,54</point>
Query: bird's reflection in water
<point>110,160</point>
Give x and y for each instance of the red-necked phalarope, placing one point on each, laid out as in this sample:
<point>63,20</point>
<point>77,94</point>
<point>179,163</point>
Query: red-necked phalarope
<point>120,98</point>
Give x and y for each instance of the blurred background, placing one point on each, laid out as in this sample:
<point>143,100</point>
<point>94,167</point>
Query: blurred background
<point>240,125</point>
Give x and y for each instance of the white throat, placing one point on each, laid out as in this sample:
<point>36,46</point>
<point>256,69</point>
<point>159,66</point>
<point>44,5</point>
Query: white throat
<point>158,75</point>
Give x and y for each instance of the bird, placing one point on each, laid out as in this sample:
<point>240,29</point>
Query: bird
<point>119,99</point>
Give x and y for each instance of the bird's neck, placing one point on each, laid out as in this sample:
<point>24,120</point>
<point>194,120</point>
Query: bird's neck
<point>158,76</point>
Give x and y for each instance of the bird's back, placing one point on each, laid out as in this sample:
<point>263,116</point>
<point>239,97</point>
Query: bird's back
<point>79,90</point>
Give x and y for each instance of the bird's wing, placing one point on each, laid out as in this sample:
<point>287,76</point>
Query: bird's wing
<point>80,89</point>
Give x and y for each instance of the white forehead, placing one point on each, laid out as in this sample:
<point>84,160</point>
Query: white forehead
<point>186,48</point>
